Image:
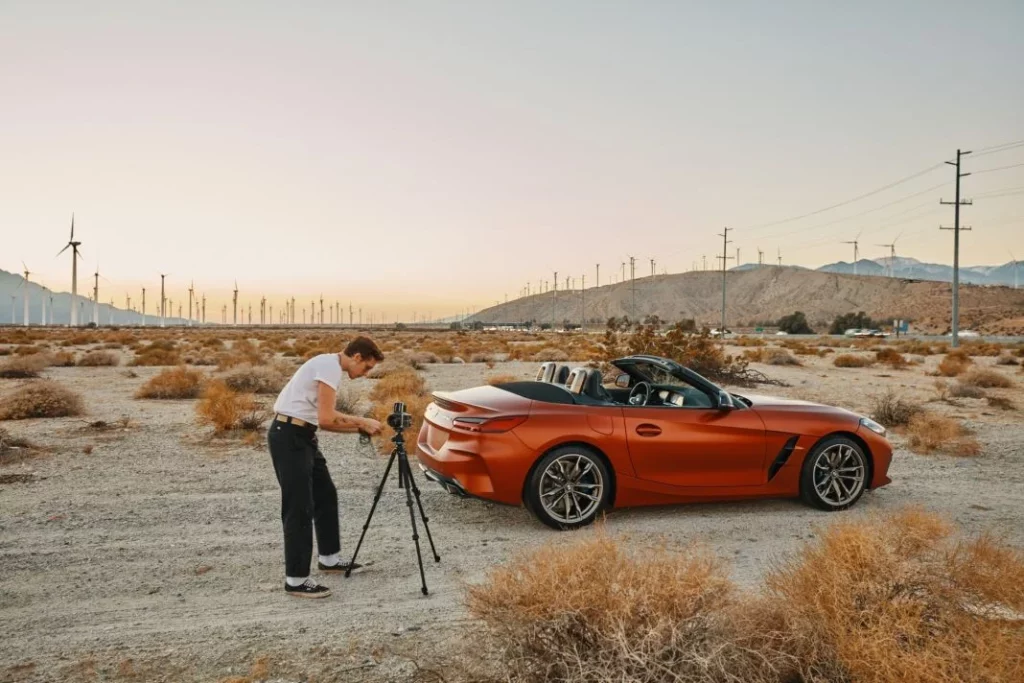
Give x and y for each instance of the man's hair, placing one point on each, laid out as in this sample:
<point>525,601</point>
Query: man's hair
<point>365,347</point>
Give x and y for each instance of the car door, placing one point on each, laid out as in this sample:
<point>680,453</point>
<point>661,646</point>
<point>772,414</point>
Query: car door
<point>696,447</point>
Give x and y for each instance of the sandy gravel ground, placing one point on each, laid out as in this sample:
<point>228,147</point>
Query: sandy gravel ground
<point>158,555</point>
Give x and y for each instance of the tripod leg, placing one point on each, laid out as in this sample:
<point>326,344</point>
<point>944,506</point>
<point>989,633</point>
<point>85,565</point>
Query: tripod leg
<point>405,476</point>
<point>423,515</point>
<point>376,499</point>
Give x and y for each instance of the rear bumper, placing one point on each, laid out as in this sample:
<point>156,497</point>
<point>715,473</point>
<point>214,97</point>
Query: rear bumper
<point>449,484</point>
<point>461,467</point>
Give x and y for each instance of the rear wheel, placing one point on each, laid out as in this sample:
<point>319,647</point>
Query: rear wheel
<point>834,474</point>
<point>568,488</point>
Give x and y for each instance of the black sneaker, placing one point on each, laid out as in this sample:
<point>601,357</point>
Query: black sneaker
<point>340,567</point>
<point>308,589</point>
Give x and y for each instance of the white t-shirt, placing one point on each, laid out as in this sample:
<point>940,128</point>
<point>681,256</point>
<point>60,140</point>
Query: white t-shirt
<point>299,396</point>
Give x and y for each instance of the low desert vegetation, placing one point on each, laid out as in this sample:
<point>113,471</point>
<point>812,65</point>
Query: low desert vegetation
<point>408,387</point>
<point>158,353</point>
<point>849,360</point>
<point>986,379</point>
<point>502,379</point>
<point>42,398</point>
<point>954,363</point>
<point>931,433</point>
<point>773,356</point>
<point>60,359</point>
<point>228,411</point>
<point>94,359</point>
<point>891,410</point>
<point>22,367</point>
<point>13,448</point>
<point>179,382</point>
<point>891,357</point>
<point>900,597</point>
<point>965,390</point>
<point>257,379</point>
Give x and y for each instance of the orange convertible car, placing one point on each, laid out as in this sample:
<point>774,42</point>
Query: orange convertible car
<point>569,446</point>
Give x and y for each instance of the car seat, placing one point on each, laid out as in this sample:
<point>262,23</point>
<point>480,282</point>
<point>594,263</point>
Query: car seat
<point>562,376</point>
<point>577,378</point>
<point>593,387</point>
<point>546,372</point>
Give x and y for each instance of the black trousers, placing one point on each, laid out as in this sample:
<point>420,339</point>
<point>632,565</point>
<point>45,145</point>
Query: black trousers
<point>308,496</point>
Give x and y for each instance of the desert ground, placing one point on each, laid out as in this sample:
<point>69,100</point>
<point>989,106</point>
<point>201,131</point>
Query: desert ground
<point>149,549</point>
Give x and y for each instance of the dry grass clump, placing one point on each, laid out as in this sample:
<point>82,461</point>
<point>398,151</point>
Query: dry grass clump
<point>350,401</point>
<point>987,379</point>
<point>754,355</point>
<point>502,379</point>
<point>40,399</point>
<point>746,341</point>
<point>774,356</point>
<point>1001,402</point>
<point>891,357</point>
<point>549,354</point>
<point>22,367</point>
<point>243,352</point>
<point>1007,359</point>
<point>962,390</point>
<point>954,363</point>
<point>887,598</point>
<point>409,388</point>
<point>179,382</point>
<point>159,353</point>
<point>930,433</point>
<point>228,410</point>
<point>848,360</point>
<point>60,359</point>
<point>95,359</point>
<point>257,379</point>
<point>393,365</point>
<point>891,410</point>
<point>13,448</point>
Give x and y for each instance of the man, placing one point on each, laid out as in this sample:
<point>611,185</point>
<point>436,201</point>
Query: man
<point>308,496</point>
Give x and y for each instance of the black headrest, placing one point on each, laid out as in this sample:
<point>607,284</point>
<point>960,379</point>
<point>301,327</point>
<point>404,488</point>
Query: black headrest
<point>563,375</point>
<point>594,386</point>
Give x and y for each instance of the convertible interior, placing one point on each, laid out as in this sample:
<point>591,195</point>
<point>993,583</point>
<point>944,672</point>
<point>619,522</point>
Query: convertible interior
<point>588,386</point>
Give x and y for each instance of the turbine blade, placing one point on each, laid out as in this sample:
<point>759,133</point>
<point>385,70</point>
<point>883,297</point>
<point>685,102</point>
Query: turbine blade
<point>72,227</point>
<point>63,250</point>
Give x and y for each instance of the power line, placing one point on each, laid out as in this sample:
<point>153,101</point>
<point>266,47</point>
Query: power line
<point>997,168</point>
<point>850,201</point>
<point>994,149</point>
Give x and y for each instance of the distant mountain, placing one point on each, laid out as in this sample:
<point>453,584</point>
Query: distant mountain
<point>912,269</point>
<point>12,303</point>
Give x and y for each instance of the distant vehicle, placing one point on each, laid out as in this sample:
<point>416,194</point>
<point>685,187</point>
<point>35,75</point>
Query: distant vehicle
<point>862,333</point>
<point>782,333</point>
<point>965,333</point>
<point>716,332</point>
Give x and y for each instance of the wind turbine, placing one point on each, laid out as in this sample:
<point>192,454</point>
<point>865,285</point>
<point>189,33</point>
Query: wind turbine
<point>191,294</point>
<point>43,302</point>
<point>96,297</point>
<point>74,271</point>
<point>892,255</point>
<point>234,304</point>
<point>24,283</point>
<point>143,306</point>
<point>1014,258</point>
<point>163,299</point>
<point>856,253</point>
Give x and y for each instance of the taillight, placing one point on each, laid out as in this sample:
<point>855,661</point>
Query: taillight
<point>489,425</point>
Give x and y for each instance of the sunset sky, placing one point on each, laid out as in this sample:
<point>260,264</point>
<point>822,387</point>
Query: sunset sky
<point>435,156</point>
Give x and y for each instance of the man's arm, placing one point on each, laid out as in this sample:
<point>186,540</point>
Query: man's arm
<point>333,421</point>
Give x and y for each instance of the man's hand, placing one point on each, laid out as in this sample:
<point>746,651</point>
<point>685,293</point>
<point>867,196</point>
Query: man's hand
<point>371,426</point>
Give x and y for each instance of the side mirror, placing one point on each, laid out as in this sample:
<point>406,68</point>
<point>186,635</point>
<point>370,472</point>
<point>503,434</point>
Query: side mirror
<point>725,401</point>
<point>622,381</point>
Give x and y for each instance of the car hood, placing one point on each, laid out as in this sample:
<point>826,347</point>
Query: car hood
<point>776,411</point>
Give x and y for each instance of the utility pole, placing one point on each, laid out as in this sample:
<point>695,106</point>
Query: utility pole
<point>856,253</point>
<point>204,309</point>
<point>652,269</point>
<point>957,203</point>
<point>350,314</point>
<point>191,294</point>
<point>143,306</point>
<point>780,257</point>
<point>760,258</point>
<point>583,302</point>
<point>597,272</point>
<point>163,300</point>
<point>554,300</point>
<point>632,284</point>
<point>725,258</point>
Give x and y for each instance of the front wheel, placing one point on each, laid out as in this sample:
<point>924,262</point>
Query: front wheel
<point>568,488</point>
<point>834,474</point>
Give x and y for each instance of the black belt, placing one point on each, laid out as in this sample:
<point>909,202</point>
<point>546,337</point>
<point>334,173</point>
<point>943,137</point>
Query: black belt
<point>288,419</point>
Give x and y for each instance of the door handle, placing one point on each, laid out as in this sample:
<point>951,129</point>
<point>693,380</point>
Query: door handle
<point>647,429</point>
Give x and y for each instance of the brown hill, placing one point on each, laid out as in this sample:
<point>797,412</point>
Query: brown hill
<point>766,294</point>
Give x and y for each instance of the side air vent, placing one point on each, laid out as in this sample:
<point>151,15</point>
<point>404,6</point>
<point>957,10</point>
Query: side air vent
<point>782,457</point>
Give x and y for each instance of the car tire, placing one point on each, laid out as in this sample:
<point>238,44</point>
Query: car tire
<point>568,488</point>
<point>835,474</point>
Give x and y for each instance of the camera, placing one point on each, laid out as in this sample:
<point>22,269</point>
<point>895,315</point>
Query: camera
<point>399,419</point>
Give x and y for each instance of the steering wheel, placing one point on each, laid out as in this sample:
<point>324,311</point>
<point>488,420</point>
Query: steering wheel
<point>640,394</point>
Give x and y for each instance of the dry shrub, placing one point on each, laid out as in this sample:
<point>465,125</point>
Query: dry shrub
<point>350,401</point>
<point>754,355</point>
<point>179,382</point>
<point>896,598</point>
<point>13,448</point>
<point>848,360</point>
<point>780,357</point>
<point>481,357</point>
<point>891,357</point>
<point>424,357</point>
<point>954,363</point>
<point>391,366</point>
<point>243,352</point>
<point>1007,359</point>
<point>1001,402</point>
<point>941,390</point>
<point>892,411</point>
<point>961,390</point>
<point>550,354</point>
<point>589,611</point>
<point>987,379</point>
<point>228,410</point>
<point>746,341</point>
<point>60,359</point>
<point>407,387</point>
<point>156,355</point>
<point>257,379</point>
<point>929,433</point>
<point>95,359</point>
<point>406,382</point>
<point>22,367</point>
<point>501,379</point>
<point>40,399</point>
<point>888,598</point>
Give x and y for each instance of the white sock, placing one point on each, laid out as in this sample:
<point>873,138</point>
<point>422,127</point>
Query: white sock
<point>295,581</point>
<point>330,560</point>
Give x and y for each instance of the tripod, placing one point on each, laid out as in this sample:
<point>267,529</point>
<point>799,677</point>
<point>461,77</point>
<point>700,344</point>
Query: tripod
<point>407,482</point>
